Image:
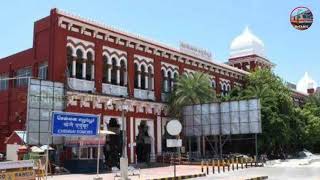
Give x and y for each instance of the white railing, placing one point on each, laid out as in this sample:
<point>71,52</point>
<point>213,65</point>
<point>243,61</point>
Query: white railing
<point>144,94</point>
<point>114,90</point>
<point>81,84</point>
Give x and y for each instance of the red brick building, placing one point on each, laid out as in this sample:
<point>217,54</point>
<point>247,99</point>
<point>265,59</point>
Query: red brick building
<point>98,63</point>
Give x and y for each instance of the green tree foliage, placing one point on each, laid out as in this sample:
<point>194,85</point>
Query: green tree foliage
<point>282,132</point>
<point>190,89</point>
<point>310,115</point>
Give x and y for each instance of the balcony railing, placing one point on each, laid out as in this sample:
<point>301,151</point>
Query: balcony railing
<point>114,90</point>
<point>144,94</point>
<point>81,84</point>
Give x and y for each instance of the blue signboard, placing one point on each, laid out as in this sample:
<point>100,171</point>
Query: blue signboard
<point>74,124</point>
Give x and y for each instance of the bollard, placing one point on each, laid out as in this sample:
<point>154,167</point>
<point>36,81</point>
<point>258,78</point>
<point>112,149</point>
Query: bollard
<point>207,167</point>
<point>232,162</point>
<point>218,165</point>
<point>255,161</point>
<point>251,162</point>
<point>246,160</point>
<point>237,161</point>
<point>241,161</point>
<point>202,166</point>
<point>213,166</point>
<point>223,168</point>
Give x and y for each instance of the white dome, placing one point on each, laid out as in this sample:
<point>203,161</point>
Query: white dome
<point>246,44</point>
<point>306,83</point>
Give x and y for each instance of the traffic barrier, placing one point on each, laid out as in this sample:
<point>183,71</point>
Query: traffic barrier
<point>241,161</point>
<point>237,162</point>
<point>207,167</point>
<point>246,160</point>
<point>232,164</point>
<point>228,163</point>
<point>218,165</point>
<point>223,168</point>
<point>202,166</point>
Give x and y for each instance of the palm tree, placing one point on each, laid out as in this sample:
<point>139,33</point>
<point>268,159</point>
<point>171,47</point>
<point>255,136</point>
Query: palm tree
<point>190,89</point>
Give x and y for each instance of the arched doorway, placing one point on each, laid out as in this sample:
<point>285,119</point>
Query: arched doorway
<point>113,145</point>
<point>144,141</point>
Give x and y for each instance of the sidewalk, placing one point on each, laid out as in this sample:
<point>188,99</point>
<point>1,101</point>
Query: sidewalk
<point>151,173</point>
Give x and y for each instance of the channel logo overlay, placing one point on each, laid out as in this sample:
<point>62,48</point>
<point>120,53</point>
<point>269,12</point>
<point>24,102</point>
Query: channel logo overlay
<point>301,18</point>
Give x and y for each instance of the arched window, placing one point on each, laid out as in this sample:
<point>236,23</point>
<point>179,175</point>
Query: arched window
<point>150,77</point>
<point>163,81</point>
<point>122,73</point>
<point>114,71</point>
<point>69,61</point>
<point>213,84</point>
<point>136,74</point>
<point>89,64</point>
<point>169,82</point>
<point>105,69</point>
<point>143,79</point>
<point>224,90</point>
<point>79,64</point>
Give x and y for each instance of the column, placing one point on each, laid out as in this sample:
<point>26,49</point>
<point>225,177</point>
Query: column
<point>84,70</point>
<point>109,73</point>
<point>74,68</point>
<point>165,83</point>
<point>172,83</point>
<point>118,75</point>
<point>92,72</point>
<point>146,82</point>
<point>125,77</point>
<point>152,82</point>
<point>131,141</point>
<point>139,79</point>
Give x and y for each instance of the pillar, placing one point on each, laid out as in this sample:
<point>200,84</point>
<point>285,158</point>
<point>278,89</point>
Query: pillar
<point>109,73</point>
<point>118,76</point>
<point>84,70</point>
<point>146,81</point>
<point>139,79</point>
<point>74,68</point>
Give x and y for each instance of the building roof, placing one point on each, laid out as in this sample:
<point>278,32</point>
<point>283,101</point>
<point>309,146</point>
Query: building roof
<point>246,44</point>
<point>146,40</point>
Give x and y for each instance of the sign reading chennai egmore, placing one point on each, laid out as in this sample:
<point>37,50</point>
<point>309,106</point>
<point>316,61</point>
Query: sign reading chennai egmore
<point>74,124</point>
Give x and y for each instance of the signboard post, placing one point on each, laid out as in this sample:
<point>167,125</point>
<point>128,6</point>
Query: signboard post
<point>174,128</point>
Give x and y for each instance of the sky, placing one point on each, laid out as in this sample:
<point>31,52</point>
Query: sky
<point>208,24</point>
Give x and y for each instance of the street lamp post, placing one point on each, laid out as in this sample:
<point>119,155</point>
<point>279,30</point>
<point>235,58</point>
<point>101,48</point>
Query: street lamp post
<point>124,158</point>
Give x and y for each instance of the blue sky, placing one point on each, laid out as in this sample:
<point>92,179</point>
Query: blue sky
<point>208,24</point>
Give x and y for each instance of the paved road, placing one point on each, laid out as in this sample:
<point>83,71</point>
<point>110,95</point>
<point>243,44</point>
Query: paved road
<point>273,173</point>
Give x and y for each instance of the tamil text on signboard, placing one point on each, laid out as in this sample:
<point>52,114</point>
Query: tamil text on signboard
<point>74,124</point>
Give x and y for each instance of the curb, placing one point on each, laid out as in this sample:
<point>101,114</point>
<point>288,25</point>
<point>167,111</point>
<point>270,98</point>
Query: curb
<point>181,177</point>
<point>258,178</point>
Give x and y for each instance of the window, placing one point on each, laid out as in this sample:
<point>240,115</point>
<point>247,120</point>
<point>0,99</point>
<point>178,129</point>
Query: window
<point>43,71</point>
<point>114,71</point>
<point>163,81</point>
<point>89,66</point>
<point>122,73</point>
<point>136,74</point>
<point>89,153</point>
<point>22,74</point>
<point>143,79</point>
<point>105,69</point>
<point>79,64</point>
<point>69,61</point>
<point>3,83</point>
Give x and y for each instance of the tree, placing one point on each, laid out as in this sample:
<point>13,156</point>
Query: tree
<point>279,124</point>
<point>193,88</point>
